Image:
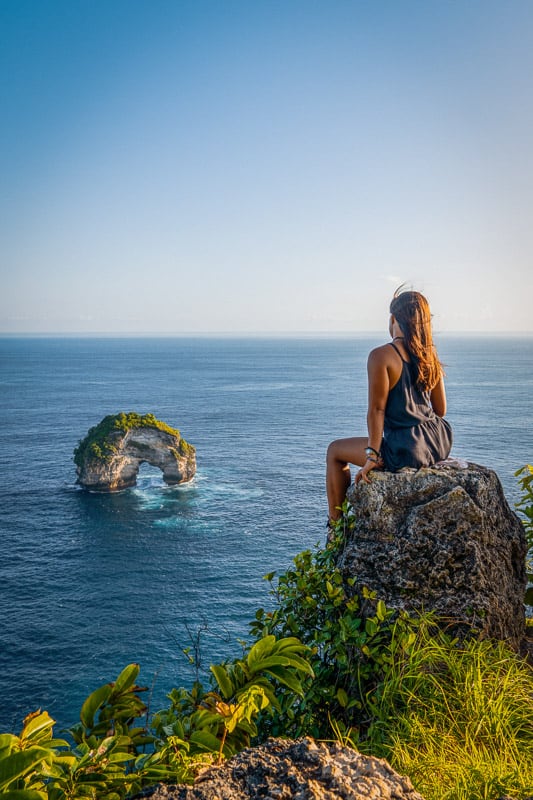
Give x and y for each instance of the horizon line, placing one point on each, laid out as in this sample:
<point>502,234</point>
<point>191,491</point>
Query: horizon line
<point>235,334</point>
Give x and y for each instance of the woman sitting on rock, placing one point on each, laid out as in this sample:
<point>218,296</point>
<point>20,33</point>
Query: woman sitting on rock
<point>406,403</point>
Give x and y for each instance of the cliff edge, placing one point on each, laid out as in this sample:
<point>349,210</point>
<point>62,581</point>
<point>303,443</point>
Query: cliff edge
<point>304,769</point>
<point>441,539</point>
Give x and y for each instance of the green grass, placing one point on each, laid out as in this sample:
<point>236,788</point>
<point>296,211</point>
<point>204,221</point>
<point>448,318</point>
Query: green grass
<point>458,719</point>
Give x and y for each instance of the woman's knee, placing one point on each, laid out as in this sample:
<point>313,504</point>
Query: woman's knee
<point>347,451</point>
<point>332,453</point>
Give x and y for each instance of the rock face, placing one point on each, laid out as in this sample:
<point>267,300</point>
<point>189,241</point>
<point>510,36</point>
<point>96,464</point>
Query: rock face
<point>442,539</point>
<point>303,770</point>
<point>115,465</point>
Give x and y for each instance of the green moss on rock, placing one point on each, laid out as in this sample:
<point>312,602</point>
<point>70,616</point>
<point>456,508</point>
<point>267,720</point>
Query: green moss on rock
<point>99,442</point>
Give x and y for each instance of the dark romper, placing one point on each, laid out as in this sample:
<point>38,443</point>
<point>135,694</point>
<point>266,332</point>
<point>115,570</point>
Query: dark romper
<point>413,435</point>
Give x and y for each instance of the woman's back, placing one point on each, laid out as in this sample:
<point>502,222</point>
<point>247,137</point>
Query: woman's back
<point>407,403</point>
<point>414,436</point>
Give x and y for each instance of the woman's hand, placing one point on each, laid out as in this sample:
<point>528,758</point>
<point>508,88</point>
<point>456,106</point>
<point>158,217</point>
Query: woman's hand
<point>370,464</point>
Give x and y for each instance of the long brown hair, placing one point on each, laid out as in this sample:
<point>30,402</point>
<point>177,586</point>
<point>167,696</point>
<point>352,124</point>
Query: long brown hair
<point>411,310</point>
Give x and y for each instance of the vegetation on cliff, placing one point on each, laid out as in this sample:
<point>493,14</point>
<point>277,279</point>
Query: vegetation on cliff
<point>457,717</point>
<point>111,753</point>
<point>525,507</point>
<point>100,442</point>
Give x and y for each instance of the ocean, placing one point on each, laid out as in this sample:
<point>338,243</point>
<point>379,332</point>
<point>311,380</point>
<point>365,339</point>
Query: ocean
<point>92,582</point>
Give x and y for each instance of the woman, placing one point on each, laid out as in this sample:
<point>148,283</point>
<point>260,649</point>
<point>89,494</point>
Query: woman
<point>406,403</point>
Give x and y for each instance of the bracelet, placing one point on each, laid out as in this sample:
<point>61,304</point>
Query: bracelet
<point>370,450</point>
<point>373,460</point>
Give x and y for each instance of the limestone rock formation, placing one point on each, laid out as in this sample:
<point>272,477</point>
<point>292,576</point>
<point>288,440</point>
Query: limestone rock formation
<point>442,539</point>
<point>303,770</point>
<point>109,457</point>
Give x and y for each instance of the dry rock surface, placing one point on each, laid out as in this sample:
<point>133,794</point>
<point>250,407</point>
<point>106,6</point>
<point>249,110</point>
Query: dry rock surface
<point>443,539</point>
<point>298,770</point>
<point>132,448</point>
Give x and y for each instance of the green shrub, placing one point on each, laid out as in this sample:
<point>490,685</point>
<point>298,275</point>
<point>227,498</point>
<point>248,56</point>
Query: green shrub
<point>111,756</point>
<point>348,636</point>
<point>525,504</point>
<point>222,720</point>
<point>525,507</point>
<point>98,763</point>
<point>457,717</point>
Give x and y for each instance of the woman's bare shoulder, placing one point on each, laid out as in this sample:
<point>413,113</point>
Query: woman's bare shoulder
<point>382,354</point>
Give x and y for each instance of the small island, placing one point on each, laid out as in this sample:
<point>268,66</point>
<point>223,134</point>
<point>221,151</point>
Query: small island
<point>109,457</point>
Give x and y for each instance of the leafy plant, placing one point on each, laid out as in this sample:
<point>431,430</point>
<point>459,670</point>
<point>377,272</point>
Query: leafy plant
<point>347,633</point>
<point>525,506</point>
<point>112,709</point>
<point>105,759</point>
<point>25,757</point>
<point>107,741</point>
<point>456,717</point>
<point>221,720</point>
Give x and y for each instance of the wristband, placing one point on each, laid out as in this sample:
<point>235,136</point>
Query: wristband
<point>370,450</point>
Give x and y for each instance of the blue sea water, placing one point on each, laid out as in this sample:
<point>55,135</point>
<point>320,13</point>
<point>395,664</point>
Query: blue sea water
<point>91,582</point>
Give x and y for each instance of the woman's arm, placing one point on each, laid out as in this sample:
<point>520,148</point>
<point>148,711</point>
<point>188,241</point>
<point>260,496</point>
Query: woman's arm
<point>438,398</point>
<point>378,392</point>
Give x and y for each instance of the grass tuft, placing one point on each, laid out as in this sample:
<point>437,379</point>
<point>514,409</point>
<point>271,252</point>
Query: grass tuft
<point>456,717</point>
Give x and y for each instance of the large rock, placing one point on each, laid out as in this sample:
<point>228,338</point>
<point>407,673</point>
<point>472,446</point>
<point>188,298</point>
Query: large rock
<point>303,770</point>
<point>441,539</point>
<point>109,457</point>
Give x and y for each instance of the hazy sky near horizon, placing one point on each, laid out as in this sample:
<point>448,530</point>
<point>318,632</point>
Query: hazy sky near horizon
<point>264,166</point>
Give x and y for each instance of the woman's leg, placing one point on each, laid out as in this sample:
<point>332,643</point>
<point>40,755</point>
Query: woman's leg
<point>341,453</point>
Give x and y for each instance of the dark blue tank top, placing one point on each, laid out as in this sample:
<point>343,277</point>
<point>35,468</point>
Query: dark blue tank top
<point>413,435</point>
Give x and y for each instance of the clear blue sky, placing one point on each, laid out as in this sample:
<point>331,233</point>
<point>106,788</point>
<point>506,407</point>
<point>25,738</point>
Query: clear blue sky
<point>268,166</point>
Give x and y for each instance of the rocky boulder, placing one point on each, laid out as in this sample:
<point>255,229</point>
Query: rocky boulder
<point>109,457</point>
<point>441,539</point>
<point>296,770</point>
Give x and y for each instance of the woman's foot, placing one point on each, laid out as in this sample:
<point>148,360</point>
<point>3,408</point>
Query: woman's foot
<point>331,530</point>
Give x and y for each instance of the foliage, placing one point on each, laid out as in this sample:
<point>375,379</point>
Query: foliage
<point>456,717</point>
<point>109,758</point>
<point>525,506</point>
<point>24,759</point>
<point>222,721</point>
<point>100,440</point>
<point>347,633</point>
<point>99,763</point>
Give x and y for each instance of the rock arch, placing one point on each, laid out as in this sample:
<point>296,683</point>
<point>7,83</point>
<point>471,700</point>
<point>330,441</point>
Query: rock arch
<point>112,463</point>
